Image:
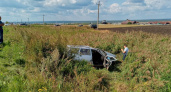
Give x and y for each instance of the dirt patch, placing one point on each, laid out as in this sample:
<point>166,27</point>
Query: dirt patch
<point>158,29</point>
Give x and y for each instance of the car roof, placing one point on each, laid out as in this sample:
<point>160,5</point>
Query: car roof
<point>88,47</point>
<point>79,46</point>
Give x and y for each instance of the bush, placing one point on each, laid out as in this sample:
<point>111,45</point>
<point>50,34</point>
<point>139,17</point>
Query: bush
<point>78,66</point>
<point>129,23</point>
<point>20,62</point>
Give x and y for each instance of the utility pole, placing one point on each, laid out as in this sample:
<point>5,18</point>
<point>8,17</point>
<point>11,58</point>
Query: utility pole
<point>43,19</point>
<point>28,20</point>
<point>98,14</point>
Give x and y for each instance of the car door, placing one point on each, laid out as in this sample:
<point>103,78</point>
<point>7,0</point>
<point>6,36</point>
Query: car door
<point>85,54</point>
<point>74,52</point>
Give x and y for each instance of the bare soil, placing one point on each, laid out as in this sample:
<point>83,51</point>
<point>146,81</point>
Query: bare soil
<point>157,29</point>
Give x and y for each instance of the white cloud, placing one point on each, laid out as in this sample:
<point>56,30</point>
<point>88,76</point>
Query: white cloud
<point>94,1</point>
<point>157,4</point>
<point>63,4</point>
<point>18,0</point>
<point>73,1</point>
<point>114,8</point>
<point>79,12</point>
<point>146,4</point>
<point>23,11</point>
<point>92,11</point>
<point>102,2</point>
<point>36,9</point>
<point>59,2</point>
<point>82,9</point>
<point>131,4</point>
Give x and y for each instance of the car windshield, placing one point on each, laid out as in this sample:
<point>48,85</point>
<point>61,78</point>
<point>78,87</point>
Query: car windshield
<point>85,52</point>
<point>74,50</point>
<point>102,52</point>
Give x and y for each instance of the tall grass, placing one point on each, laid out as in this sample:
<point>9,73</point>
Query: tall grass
<point>33,59</point>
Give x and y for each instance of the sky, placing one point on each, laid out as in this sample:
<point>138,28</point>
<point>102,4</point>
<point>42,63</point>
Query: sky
<point>83,10</point>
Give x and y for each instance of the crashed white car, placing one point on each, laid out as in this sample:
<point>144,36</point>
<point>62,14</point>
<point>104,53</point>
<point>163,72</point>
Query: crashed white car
<point>94,55</point>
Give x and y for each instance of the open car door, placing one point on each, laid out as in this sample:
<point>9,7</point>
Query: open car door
<point>101,58</point>
<point>107,62</point>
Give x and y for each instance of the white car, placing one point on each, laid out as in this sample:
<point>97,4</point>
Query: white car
<point>93,55</point>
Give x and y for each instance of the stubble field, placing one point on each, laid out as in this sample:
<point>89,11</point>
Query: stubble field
<point>154,29</point>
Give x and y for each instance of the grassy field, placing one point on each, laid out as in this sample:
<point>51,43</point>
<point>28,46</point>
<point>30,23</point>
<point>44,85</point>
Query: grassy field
<point>32,59</point>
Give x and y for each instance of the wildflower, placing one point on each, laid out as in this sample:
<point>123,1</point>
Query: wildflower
<point>40,90</point>
<point>146,83</point>
<point>44,88</point>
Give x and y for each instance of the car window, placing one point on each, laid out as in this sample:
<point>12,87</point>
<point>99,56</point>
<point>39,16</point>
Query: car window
<point>74,50</point>
<point>85,52</point>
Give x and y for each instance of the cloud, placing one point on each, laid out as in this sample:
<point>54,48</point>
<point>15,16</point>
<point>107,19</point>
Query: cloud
<point>148,4</point>
<point>157,4</point>
<point>59,2</point>
<point>11,3</point>
<point>136,1</point>
<point>114,8</point>
<point>35,9</point>
<point>142,9</point>
<point>82,9</point>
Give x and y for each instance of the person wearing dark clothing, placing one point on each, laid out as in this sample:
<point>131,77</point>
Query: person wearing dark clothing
<point>1,31</point>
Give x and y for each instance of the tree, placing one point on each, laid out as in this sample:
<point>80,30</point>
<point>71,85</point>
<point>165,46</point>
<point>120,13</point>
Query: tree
<point>129,23</point>
<point>6,22</point>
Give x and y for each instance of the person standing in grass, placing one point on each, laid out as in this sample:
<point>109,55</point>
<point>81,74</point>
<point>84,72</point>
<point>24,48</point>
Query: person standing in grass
<point>125,52</point>
<point>1,31</point>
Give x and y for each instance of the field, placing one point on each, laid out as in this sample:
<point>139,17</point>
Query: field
<point>155,29</point>
<point>118,26</point>
<point>33,59</point>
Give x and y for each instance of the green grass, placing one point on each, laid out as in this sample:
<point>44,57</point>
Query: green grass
<point>32,59</point>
